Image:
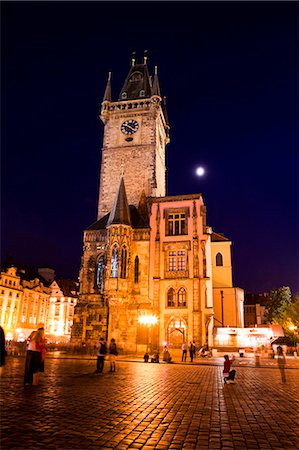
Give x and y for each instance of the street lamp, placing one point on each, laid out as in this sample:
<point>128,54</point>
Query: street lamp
<point>148,320</point>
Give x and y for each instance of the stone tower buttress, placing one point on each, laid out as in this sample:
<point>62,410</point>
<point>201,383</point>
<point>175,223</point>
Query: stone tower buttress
<point>136,131</point>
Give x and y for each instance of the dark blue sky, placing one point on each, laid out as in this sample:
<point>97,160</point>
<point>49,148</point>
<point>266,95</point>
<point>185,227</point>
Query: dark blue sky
<point>230,73</point>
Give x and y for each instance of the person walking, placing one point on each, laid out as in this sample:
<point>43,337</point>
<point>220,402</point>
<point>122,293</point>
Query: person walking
<point>2,351</point>
<point>35,356</point>
<point>184,351</point>
<point>281,361</point>
<point>112,354</point>
<point>191,351</point>
<point>228,374</point>
<point>101,352</point>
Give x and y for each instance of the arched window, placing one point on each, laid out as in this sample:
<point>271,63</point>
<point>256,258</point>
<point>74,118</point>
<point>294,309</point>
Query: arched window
<point>91,269</point>
<point>114,262</point>
<point>100,273</point>
<point>219,259</point>
<point>123,268</point>
<point>171,298</point>
<point>136,270</point>
<point>182,298</point>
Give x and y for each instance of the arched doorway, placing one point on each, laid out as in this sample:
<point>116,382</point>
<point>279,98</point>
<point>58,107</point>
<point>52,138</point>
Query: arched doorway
<point>176,332</point>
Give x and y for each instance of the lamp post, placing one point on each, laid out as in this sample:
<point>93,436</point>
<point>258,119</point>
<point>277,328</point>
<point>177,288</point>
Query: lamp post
<point>148,320</point>
<point>222,311</point>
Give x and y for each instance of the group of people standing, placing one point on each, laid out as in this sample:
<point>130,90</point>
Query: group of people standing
<point>102,350</point>
<point>192,351</point>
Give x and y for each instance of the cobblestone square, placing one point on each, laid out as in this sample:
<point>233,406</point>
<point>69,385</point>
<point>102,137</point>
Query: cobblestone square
<point>148,406</point>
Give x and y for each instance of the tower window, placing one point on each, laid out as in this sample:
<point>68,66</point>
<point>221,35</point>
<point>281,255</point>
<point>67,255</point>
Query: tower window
<point>124,95</point>
<point>123,269</point>
<point>219,259</point>
<point>182,302</point>
<point>136,270</point>
<point>100,273</point>
<point>142,93</point>
<point>176,224</point>
<point>136,76</point>
<point>170,298</point>
<point>114,262</point>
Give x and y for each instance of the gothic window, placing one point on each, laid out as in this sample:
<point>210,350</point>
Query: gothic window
<point>114,262</point>
<point>171,298</point>
<point>172,261</point>
<point>136,270</point>
<point>182,299</point>
<point>176,224</point>
<point>123,268</point>
<point>219,259</point>
<point>100,273</point>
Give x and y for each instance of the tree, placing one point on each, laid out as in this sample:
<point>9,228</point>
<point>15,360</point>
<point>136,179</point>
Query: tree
<point>279,302</point>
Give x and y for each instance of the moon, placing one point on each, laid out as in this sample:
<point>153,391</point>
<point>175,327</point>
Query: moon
<point>200,171</point>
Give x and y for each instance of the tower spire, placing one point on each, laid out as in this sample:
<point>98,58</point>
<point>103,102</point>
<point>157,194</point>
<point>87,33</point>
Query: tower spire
<point>107,94</point>
<point>156,86</point>
<point>120,213</point>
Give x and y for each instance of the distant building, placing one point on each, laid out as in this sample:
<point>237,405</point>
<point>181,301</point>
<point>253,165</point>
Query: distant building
<point>60,317</point>
<point>255,309</point>
<point>26,299</point>
<point>152,270</point>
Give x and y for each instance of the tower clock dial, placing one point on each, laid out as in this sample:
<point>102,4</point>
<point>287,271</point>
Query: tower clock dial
<point>129,126</point>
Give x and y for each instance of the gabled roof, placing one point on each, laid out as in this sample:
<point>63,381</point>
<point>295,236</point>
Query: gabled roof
<point>137,80</point>
<point>137,220</point>
<point>120,213</point>
<point>218,237</point>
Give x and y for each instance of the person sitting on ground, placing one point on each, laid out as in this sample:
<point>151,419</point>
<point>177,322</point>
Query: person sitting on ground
<point>228,374</point>
<point>166,355</point>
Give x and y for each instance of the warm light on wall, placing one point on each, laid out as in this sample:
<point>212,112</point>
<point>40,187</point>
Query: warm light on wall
<point>148,320</point>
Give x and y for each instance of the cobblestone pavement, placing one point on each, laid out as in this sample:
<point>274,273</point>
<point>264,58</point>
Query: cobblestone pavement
<point>148,406</point>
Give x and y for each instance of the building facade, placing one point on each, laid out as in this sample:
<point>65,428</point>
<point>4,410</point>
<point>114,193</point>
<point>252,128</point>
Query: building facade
<point>27,298</point>
<point>146,275</point>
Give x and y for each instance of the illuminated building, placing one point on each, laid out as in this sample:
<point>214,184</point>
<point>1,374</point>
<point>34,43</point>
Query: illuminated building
<point>149,254</point>
<point>61,309</point>
<point>28,297</point>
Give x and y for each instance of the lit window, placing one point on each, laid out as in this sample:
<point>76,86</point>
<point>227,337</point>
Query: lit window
<point>136,270</point>
<point>123,269</point>
<point>170,298</point>
<point>176,224</point>
<point>219,259</point>
<point>114,262</point>
<point>181,260</point>
<point>172,261</point>
<point>100,273</point>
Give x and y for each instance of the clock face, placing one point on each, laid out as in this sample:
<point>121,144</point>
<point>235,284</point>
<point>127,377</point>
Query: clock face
<point>129,126</point>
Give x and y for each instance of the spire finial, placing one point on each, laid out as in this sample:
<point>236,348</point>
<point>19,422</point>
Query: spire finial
<point>109,76</point>
<point>156,70</point>
<point>145,57</point>
<point>122,168</point>
<point>133,58</point>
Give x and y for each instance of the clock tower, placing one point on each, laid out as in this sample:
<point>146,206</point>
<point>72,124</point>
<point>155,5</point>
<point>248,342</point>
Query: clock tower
<point>136,131</point>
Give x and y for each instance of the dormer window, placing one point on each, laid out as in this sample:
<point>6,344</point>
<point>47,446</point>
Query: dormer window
<point>124,95</point>
<point>136,76</point>
<point>142,93</point>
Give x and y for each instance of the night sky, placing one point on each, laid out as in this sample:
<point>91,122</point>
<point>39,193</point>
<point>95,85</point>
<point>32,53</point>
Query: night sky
<point>229,72</point>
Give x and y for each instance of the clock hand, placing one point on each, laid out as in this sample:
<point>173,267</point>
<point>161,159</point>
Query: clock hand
<point>130,127</point>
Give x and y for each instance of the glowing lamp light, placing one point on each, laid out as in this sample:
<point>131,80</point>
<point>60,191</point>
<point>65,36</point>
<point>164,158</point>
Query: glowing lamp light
<point>148,320</point>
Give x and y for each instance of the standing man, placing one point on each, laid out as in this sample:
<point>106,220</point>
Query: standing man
<point>281,361</point>
<point>191,351</point>
<point>101,352</point>
<point>112,354</point>
<point>184,351</point>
